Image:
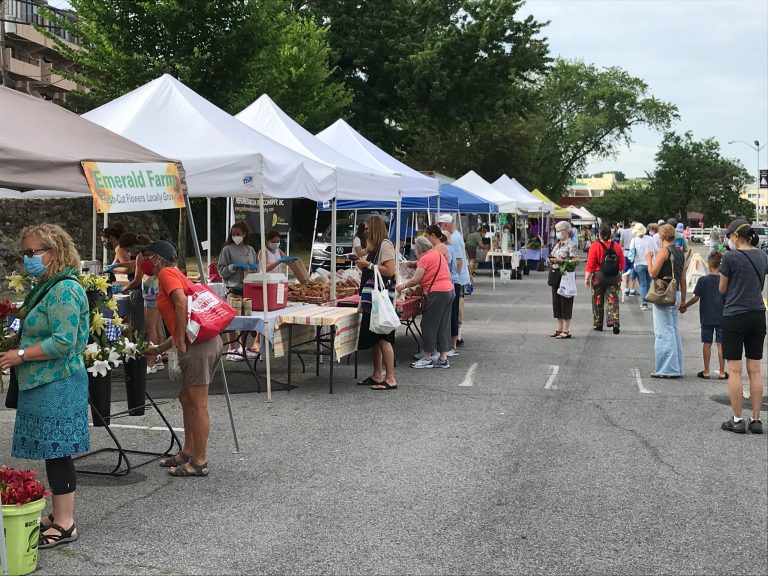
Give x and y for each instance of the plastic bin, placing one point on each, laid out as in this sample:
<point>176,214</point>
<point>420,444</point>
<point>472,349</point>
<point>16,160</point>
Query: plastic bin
<point>277,291</point>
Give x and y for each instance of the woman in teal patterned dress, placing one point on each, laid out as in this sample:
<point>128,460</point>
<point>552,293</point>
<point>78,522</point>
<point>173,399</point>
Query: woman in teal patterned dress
<point>52,413</point>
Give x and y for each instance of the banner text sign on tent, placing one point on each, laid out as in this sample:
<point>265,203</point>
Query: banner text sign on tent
<point>134,187</point>
<point>277,213</point>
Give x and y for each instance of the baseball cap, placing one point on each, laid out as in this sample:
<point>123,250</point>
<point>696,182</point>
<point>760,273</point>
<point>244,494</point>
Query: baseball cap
<point>445,219</point>
<point>679,227</point>
<point>164,249</point>
<point>661,222</point>
<point>738,224</point>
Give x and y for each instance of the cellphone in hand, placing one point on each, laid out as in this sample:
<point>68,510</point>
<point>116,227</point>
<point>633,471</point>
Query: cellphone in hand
<point>353,257</point>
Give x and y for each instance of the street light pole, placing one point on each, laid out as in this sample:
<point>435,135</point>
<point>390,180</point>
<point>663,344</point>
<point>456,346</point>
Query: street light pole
<point>757,148</point>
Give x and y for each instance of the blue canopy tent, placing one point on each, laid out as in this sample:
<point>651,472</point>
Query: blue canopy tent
<point>468,202</point>
<point>446,202</point>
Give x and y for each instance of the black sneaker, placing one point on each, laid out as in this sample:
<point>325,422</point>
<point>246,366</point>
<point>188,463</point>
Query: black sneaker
<point>755,426</point>
<point>460,342</point>
<point>616,329</point>
<point>739,427</point>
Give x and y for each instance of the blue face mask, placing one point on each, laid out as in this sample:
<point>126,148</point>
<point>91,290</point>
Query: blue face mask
<point>559,235</point>
<point>33,265</point>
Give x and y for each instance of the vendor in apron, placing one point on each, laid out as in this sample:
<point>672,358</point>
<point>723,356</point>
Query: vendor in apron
<point>274,258</point>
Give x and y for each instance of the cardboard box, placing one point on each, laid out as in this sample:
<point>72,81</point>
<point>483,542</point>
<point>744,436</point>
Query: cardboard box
<point>300,271</point>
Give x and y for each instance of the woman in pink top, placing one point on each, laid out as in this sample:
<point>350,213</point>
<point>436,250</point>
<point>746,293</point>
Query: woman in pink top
<point>435,279</point>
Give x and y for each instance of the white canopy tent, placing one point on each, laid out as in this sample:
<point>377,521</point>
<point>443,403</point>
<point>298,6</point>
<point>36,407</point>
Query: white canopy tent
<point>525,200</point>
<point>341,136</point>
<point>473,182</point>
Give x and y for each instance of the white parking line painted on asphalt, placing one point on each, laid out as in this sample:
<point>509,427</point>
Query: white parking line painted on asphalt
<point>553,370</point>
<point>469,378</point>
<point>135,427</point>
<point>643,389</point>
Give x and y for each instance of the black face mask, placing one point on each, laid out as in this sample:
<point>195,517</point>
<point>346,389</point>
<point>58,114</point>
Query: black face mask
<point>109,245</point>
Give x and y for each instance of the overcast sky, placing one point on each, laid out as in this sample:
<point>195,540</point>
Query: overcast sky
<point>708,57</point>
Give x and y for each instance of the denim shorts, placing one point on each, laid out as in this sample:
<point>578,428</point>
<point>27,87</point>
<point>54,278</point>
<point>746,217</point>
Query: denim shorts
<point>706,333</point>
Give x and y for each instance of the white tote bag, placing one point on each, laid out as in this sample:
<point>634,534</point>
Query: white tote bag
<point>567,287</point>
<point>384,317</point>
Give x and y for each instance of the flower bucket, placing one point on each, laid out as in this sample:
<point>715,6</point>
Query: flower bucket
<point>136,384</point>
<point>22,532</point>
<point>100,394</point>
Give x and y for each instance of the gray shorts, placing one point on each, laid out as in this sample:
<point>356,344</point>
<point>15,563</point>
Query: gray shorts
<point>200,362</point>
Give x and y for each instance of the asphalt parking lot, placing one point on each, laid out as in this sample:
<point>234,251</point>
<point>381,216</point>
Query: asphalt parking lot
<point>529,455</point>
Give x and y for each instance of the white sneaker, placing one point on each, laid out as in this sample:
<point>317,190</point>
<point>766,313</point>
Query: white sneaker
<point>159,367</point>
<point>420,355</point>
<point>423,363</point>
<point>234,358</point>
<point>452,353</point>
<point>252,354</point>
<point>151,369</point>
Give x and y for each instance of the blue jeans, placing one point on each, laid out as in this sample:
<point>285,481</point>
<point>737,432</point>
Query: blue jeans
<point>644,280</point>
<point>668,347</point>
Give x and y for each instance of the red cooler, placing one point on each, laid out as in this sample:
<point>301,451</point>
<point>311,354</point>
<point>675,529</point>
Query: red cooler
<point>277,291</point>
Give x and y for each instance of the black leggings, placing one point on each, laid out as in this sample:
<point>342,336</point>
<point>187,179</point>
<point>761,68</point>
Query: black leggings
<point>61,475</point>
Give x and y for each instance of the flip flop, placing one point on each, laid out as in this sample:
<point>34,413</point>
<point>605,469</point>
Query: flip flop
<point>384,386</point>
<point>368,382</point>
<point>701,375</point>
<point>563,336</point>
<point>723,376</point>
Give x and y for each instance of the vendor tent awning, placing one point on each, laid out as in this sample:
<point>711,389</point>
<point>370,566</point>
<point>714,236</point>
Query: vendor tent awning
<point>448,203</point>
<point>342,137</point>
<point>559,212</point>
<point>467,202</point>
<point>474,183</point>
<point>354,181</point>
<point>525,200</point>
<point>221,156</point>
<point>43,144</point>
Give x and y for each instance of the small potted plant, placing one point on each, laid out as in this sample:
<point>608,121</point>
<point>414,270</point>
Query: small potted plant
<point>23,499</point>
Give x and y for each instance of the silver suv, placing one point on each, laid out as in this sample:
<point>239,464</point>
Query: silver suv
<point>345,232</point>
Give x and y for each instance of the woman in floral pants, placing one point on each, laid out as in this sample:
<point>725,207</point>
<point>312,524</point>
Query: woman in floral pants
<point>605,290</point>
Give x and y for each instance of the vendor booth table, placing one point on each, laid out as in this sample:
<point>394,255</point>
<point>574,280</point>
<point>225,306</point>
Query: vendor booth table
<point>320,331</point>
<point>533,255</point>
<point>407,309</point>
<point>514,262</point>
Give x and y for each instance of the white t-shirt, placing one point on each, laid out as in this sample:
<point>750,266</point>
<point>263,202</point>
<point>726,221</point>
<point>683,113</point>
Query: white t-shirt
<point>626,237</point>
<point>642,246</point>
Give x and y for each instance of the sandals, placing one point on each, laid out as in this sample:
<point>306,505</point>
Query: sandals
<point>702,376</point>
<point>173,461</point>
<point>199,470</point>
<point>384,386</point>
<point>368,382</point>
<point>556,333</point>
<point>664,376</point>
<point>563,336</point>
<point>53,540</point>
<point>723,376</point>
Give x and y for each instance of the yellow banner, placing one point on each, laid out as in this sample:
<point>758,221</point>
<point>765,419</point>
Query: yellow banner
<point>126,187</point>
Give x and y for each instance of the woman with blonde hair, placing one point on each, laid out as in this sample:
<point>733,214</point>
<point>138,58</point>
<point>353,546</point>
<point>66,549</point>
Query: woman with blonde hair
<point>52,410</point>
<point>379,252</point>
<point>669,262</point>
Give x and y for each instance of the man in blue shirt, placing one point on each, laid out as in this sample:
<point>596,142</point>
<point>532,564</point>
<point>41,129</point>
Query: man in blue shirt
<point>459,275</point>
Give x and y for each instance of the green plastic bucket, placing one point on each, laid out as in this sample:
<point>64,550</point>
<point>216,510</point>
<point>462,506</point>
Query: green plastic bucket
<point>22,532</point>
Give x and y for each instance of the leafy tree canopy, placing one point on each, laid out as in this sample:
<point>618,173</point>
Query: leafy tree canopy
<point>229,52</point>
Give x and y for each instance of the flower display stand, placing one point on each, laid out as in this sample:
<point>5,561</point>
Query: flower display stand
<point>100,411</point>
<point>22,532</point>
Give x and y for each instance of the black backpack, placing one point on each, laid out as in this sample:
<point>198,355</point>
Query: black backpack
<point>609,267</point>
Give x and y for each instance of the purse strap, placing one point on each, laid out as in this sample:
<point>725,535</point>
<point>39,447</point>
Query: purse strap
<point>759,279</point>
<point>439,265</point>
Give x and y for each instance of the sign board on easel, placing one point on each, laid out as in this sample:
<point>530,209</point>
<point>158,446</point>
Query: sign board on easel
<point>763,178</point>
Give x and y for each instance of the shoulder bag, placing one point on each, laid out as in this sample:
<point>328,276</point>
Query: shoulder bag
<point>12,396</point>
<point>663,291</point>
<point>425,294</point>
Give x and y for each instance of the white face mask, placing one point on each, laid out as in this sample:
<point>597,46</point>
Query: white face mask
<point>237,240</point>
<point>731,245</point>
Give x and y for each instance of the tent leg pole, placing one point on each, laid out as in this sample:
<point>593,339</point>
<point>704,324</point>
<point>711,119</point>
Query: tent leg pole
<point>333,255</point>
<point>314,237</point>
<point>229,405</point>
<point>94,231</point>
<point>104,249</point>
<point>262,268</point>
<point>397,245</point>
<point>208,228</point>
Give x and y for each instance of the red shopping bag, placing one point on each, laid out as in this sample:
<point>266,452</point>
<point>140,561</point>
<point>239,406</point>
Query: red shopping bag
<point>207,314</point>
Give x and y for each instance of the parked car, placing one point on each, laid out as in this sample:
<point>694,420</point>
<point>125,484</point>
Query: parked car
<point>345,232</point>
<point>762,233</point>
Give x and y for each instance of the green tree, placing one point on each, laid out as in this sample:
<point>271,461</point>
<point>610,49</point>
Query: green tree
<point>586,113</point>
<point>633,201</point>
<point>229,52</point>
<point>691,175</point>
<point>442,84</point>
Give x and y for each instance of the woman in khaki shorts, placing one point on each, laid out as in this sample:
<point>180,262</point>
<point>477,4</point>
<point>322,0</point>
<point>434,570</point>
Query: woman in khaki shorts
<point>198,362</point>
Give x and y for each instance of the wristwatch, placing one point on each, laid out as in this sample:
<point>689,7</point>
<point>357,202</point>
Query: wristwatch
<point>21,353</point>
